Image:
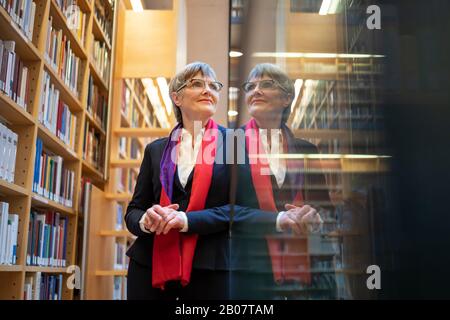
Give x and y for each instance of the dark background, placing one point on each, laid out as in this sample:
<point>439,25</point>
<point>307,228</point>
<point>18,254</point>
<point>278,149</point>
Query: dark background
<point>416,229</point>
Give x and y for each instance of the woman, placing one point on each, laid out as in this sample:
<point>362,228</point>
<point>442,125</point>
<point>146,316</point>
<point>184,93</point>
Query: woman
<point>273,183</point>
<point>181,172</point>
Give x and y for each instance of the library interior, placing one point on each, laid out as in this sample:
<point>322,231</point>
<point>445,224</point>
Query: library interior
<point>86,86</point>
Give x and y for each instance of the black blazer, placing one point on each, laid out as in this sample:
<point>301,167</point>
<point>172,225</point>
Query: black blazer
<point>250,252</point>
<point>212,250</point>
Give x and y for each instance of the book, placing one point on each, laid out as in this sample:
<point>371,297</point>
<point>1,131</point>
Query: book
<point>13,74</point>
<point>22,14</point>
<point>97,103</point>
<point>42,286</point>
<point>47,239</point>
<point>101,59</point>
<point>52,179</point>
<point>9,229</point>
<point>55,114</point>
<point>59,54</point>
<point>119,216</point>
<point>118,284</point>
<point>9,154</point>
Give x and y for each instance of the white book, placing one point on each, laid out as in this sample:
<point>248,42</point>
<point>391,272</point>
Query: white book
<point>10,73</point>
<point>31,23</point>
<point>29,283</point>
<point>4,230</point>
<point>1,59</point>
<point>25,19</point>
<point>55,111</point>
<point>46,99</point>
<point>12,12</point>
<point>8,154</point>
<point>1,232</point>
<point>14,229</point>
<point>12,167</point>
<point>2,150</point>
<point>37,286</point>
<point>23,87</point>
<point>9,46</point>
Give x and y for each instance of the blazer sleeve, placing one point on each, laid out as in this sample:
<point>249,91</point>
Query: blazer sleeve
<point>143,197</point>
<point>243,219</point>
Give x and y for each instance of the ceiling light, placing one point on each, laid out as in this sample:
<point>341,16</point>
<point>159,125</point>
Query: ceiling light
<point>235,54</point>
<point>232,113</point>
<point>324,7</point>
<point>333,7</point>
<point>137,5</point>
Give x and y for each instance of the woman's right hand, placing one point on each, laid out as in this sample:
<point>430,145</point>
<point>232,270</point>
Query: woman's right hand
<point>155,217</point>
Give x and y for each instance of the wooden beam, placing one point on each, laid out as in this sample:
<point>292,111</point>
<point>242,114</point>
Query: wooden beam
<point>142,132</point>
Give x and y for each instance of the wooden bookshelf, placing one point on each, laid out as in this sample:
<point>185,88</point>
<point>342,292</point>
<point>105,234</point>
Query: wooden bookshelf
<point>338,109</point>
<point>103,235</point>
<point>25,122</point>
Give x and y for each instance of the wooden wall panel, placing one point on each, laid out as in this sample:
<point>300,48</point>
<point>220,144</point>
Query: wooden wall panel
<point>149,44</point>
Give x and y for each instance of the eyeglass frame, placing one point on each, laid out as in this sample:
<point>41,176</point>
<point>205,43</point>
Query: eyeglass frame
<point>190,80</point>
<point>271,80</point>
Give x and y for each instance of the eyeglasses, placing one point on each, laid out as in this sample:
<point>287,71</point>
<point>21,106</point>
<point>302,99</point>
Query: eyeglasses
<point>200,84</point>
<point>263,85</point>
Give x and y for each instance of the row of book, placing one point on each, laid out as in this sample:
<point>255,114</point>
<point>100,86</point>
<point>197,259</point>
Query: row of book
<point>59,54</point>
<point>9,229</point>
<point>123,147</point>
<point>120,262</point>
<point>55,115</point>
<point>51,179</point>
<point>47,239</point>
<point>22,13</point>
<point>104,19</point>
<point>42,286</point>
<point>135,149</point>
<point>97,103</point>
<point>8,153</point>
<point>120,285</point>
<point>100,59</point>
<point>135,117</point>
<point>93,146</point>
<point>119,216</point>
<point>126,97</point>
<point>121,178</point>
<point>13,74</point>
<point>75,17</point>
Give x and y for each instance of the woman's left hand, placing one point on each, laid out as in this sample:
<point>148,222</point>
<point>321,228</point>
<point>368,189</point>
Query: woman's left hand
<point>310,219</point>
<point>175,220</point>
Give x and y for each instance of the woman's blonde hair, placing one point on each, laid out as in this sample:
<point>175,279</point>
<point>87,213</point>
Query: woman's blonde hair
<point>281,78</point>
<point>188,72</point>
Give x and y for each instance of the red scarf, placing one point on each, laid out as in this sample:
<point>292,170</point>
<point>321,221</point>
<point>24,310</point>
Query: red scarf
<point>289,254</point>
<point>173,253</point>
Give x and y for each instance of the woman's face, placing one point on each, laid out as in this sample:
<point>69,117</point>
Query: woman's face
<point>266,102</point>
<point>197,102</point>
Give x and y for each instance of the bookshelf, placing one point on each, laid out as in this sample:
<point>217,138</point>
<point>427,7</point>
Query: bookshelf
<point>49,106</point>
<point>134,124</point>
<point>338,109</point>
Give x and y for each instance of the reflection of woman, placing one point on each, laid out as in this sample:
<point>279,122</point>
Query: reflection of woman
<point>177,264</point>
<point>271,184</point>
